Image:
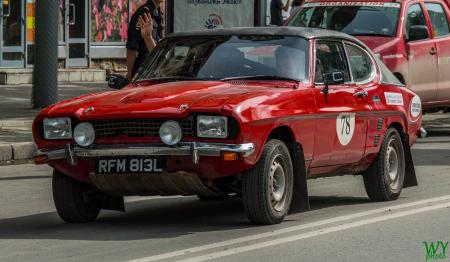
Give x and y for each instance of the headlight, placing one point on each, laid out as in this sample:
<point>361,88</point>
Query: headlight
<point>57,128</point>
<point>212,126</point>
<point>84,134</point>
<point>170,133</point>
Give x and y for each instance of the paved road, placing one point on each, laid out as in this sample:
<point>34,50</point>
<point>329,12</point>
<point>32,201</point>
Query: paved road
<point>342,225</point>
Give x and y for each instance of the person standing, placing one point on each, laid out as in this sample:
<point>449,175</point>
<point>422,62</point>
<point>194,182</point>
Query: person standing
<point>276,11</point>
<point>145,29</point>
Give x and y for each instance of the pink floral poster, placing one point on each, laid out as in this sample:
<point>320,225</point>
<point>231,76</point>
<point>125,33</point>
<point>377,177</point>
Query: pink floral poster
<point>109,20</point>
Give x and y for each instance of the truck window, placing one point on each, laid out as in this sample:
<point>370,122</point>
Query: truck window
<point>415,17</point>
<point>359,19</point>
<point>438,19</point>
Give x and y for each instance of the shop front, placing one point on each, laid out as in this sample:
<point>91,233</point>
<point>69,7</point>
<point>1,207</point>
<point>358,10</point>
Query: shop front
<point>92,33</point>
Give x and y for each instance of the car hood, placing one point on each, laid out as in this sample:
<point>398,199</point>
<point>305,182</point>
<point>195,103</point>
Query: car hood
<point>173,99</point>
<point>378,44</point>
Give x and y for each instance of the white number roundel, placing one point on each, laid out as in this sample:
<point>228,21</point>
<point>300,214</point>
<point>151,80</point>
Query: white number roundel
<point>345,127</point>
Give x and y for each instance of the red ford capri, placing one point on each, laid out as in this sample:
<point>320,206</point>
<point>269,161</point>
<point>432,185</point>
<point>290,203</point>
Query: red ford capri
<point>249,112</point>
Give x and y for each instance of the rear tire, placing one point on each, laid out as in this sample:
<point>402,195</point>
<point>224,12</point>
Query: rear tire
<point>384,178</point>
<point>68,195</point>
<point>267,189</point>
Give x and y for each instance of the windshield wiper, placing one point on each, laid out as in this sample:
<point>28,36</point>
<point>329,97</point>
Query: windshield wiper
<point>168,78</point>
<point>371,34</point>
<point>259,77</point>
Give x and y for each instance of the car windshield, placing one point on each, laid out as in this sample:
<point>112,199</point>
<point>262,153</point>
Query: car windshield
<point>371,19</point>
<point>228,57</point>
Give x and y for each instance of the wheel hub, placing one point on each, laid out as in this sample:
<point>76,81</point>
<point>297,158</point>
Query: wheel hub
<point>392,165</point>
<point>277,184</point>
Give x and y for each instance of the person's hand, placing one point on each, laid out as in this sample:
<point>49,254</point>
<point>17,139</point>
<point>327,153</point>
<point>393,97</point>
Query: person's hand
<point>145,23</point>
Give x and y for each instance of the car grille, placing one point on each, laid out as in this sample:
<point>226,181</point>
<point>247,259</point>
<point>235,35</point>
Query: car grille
<point>136,127</point>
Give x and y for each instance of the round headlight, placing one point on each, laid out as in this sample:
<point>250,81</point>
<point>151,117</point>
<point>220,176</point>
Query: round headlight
<point>170,133</point>
<point>84,134</point>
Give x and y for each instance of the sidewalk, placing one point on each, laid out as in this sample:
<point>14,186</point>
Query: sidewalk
<point>16,117</point>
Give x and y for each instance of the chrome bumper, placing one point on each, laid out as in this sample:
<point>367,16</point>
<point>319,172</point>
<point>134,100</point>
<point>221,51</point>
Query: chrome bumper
<point>194,149</point>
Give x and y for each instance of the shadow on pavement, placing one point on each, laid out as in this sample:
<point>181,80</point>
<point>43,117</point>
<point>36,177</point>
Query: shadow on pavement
<point>23,177</point>
<point>148,219</point>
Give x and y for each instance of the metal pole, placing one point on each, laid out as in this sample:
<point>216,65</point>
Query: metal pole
<point>45,73</point>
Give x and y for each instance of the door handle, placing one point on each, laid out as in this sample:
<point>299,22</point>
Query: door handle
<point>433,51</point>
<point>72,12</point>
<point>360,93</point>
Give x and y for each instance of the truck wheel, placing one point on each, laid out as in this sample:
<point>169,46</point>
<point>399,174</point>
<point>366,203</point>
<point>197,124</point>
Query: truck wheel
<point>69,200</point>
<point>267,188</point>
<point>384,178</point>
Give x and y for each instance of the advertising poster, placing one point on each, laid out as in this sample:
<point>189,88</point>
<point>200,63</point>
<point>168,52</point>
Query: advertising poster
<point>192,15</point>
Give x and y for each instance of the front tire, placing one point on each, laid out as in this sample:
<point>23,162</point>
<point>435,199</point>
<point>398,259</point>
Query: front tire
<point>267,189</point>
<point>384,178</point>
<point>68,195</point>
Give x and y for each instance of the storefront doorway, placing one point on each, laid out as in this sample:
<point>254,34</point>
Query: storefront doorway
<point>12,27</point>
<point>76,33</point>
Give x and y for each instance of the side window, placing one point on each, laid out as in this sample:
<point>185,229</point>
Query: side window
<point>330,57</point>
<point>361,66</point>
<point>438,19</point>
<point>415,17</point>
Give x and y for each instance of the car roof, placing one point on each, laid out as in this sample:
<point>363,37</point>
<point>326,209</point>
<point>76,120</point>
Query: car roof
<point>308,33</point>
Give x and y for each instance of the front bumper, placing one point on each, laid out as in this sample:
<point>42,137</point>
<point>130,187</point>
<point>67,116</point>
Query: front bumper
<point>195,149</point>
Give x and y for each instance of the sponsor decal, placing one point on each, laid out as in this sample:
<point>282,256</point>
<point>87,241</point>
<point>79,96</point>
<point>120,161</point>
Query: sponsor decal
<point>380,4</point>
<point>435,250</point>
<point>376,99</point>
<point>394,99</point>
<point>345,127</point>
<point>416,106</point>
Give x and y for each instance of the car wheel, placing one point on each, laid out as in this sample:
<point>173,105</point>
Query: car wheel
<point>267,188</point>
<point>68,195</point>
<point>384,178</point>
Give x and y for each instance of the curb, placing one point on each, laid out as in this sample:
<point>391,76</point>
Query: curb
<point>16,153</point>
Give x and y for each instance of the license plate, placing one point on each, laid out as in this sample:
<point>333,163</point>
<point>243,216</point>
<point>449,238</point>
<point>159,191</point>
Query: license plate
<point>130,165</point>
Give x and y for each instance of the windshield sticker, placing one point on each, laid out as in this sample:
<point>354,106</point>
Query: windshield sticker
<point>380,4</point>
<point>416,106</point>
<point>345,127</point>
<point>395,99</point>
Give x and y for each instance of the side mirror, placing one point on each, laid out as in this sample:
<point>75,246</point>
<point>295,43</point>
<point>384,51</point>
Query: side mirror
<point>418,32</point>
<point>334,78</point>
<point>116,81</point>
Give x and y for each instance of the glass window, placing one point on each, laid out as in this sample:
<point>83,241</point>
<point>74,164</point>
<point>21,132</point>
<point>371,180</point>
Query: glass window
<point>415,17</point>
<point>353,20</point>
<point>360,63</point>
<point>438,19</point>
<point>330,57</point>
<point>109,20</point>
<point>218,57</point>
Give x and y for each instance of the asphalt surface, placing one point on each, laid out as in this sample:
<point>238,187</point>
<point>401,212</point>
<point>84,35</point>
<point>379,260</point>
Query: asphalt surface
<point>16,114</point>
<point>343,224</point>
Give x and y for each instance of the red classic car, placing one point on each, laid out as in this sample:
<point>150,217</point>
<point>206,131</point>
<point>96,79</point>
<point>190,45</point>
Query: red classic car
<point>248,112</point>
<point>412,37</point>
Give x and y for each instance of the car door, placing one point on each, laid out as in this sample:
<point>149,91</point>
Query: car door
<point>340,126</point>
<point>441,33</point>
<point>422,72</point>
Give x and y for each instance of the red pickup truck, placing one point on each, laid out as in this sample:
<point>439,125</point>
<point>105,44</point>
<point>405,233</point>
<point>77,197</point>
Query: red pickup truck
<point>412,37</point>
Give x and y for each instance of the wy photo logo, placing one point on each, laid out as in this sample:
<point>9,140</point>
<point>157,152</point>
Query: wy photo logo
<point>435,250</point>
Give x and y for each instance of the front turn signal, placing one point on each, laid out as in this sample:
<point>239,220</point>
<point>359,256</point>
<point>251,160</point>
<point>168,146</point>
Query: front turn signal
<point>230,156</point>
<point>40,160</point>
